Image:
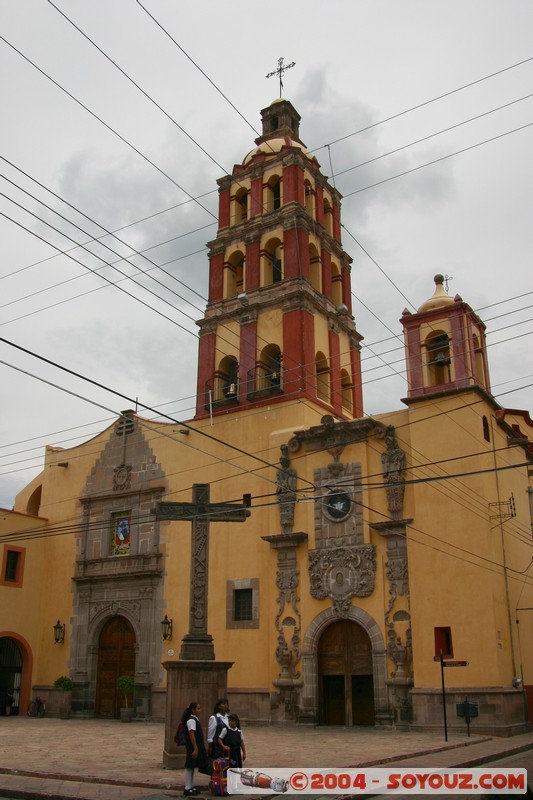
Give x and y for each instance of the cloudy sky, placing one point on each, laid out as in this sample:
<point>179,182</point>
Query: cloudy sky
<point>120,116</point>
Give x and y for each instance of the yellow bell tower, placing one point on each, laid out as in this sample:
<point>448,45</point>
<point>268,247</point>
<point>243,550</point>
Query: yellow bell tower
<point>278,323</point>
<point>445,346</point>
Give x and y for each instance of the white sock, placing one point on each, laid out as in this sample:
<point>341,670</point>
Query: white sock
<point>189,777</point>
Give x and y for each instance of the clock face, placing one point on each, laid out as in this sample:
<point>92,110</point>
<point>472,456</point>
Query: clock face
<point>338,505</point>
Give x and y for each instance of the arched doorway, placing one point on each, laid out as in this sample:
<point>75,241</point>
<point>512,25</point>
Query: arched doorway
<point>10,675</point>
<point>116,656</point>
<point>345,675</point>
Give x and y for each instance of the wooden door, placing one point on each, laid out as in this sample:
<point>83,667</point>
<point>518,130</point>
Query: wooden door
<point>116,656</point>
<point>345,675</point>
<point>362,700</point>
<point>334,699</point>
<point>10,675</point>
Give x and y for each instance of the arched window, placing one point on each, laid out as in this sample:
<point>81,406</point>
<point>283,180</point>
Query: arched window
<point>322,377</point>
<point>479,366</point>
<point>272,263</point>
<point>336,284</point>
<point>315,268</point>
<point>34,502</point>
<point>273,194</point>
<point>241,206</point>
<point>438,362</point>
<point>269,368</point>
<point>486,429</point>
<point>227,379</point>
<point>328,216</point>
<point>346,388</point>
<point>309,199</point>
<point>234,275</point>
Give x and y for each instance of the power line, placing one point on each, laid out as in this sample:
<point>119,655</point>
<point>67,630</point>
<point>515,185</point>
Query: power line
<point>437,160</point>
<point>105,124</point>
<point>86,266</point>
<point>129,399</point>
<point>114,252</point>
<point>213,84</point>
<point>143,92</point>
<point>431,135</point>
<point>426,103</point>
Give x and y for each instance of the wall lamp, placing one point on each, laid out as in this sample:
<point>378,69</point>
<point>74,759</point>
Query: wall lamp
<point>59,633</point>
<point>166,628</point>
<point>243,299</point>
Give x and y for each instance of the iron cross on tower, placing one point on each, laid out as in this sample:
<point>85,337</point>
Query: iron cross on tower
<point>198,645</point>
<point>279,71</point>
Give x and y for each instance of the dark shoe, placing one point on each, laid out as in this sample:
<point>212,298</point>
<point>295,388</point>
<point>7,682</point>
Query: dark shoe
<point>189,792</point>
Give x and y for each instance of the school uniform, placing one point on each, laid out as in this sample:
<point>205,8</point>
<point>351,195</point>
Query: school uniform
<point>193,724</point>
<point>217,723</point>
<point>232,738</point>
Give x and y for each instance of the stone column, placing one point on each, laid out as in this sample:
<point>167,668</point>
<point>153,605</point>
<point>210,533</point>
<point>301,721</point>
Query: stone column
<point>288,624</point>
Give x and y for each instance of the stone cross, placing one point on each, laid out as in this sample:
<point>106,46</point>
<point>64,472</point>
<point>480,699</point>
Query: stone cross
<point>197,644</point>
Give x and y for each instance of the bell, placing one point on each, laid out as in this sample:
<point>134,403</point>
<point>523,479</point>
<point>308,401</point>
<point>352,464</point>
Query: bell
<point>440,360</point>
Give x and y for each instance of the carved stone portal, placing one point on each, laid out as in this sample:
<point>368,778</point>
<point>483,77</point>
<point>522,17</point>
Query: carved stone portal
<point>342,573</point>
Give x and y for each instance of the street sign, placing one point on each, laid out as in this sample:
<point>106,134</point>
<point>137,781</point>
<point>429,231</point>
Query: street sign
<point>443,664</point>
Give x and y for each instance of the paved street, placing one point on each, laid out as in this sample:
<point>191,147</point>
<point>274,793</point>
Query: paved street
<point>108,760</point>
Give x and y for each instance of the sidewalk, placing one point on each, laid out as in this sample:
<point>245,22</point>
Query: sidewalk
<point>108,760</point>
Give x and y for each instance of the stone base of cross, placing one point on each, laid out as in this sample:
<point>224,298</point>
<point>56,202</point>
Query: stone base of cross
<point>188,681</point>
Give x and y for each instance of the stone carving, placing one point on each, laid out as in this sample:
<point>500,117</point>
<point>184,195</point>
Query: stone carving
<point>121,478</point>
<point>398,576</point>
<point>397,572</point>
<point>199,572</point>
<point>394,463</point>
<point>112,608</point>
<point>287,583</point>
<point>342,573</point>
<point>286,490</point>
<point>288,624</point>
<point>400,653</point>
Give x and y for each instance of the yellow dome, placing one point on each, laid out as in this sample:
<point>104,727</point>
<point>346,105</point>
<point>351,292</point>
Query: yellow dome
<point>439,299</point>
<point>273,146</point>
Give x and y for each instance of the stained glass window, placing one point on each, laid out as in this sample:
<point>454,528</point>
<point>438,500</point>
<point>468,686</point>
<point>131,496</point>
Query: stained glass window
<point>121,534</point>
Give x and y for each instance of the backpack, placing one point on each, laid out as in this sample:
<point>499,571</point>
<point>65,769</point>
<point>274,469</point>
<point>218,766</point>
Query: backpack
<point>181,735</point>
<point>218,785</point>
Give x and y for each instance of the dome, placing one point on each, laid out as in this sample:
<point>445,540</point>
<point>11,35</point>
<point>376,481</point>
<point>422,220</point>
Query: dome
<point>274,146</point>
<point>439,299</point>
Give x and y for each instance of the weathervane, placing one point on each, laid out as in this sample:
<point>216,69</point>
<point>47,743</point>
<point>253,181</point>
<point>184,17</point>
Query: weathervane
<point>279,71</point>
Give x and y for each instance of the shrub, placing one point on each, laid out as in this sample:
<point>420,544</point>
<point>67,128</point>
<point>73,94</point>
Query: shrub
<point>63,683</point>
<point>125,685</point>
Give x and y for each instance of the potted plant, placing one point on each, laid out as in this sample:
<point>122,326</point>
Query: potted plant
<point>125,685</point>
<point>64,684</point>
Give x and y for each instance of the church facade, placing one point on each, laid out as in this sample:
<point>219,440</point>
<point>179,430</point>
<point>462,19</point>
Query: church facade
<point>342,564</point>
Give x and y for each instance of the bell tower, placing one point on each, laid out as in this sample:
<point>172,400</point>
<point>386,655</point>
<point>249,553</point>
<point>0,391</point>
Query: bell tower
<point>445,346</point>
<point>278,322</point>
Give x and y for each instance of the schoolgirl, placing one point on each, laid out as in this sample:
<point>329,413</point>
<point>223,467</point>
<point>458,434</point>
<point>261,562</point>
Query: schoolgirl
<point>231,740</point>
<point>217,721</point>
<point>196,754</point>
